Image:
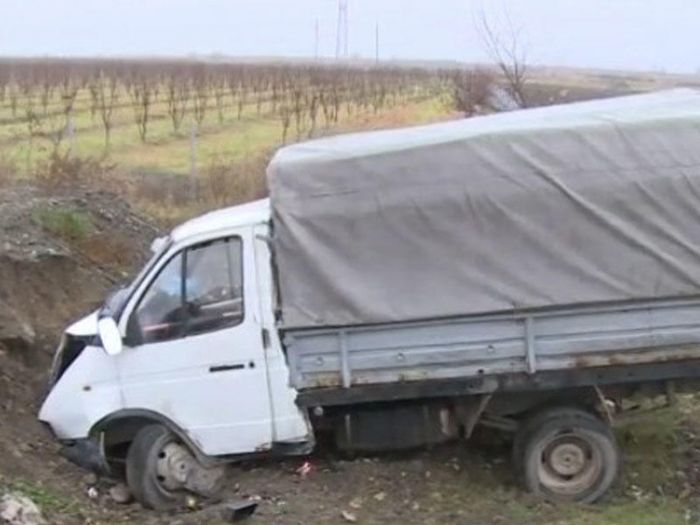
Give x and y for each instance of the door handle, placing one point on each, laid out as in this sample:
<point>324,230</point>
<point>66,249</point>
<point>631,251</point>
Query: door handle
<point>226,368</point>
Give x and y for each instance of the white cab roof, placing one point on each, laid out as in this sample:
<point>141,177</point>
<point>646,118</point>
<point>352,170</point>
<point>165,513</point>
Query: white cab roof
<point>244,215</point>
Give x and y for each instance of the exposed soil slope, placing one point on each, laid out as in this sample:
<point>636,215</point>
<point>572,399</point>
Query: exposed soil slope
<point>59,256</point>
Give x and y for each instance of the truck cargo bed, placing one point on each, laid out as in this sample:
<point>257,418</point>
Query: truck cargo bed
<point>529,342</point>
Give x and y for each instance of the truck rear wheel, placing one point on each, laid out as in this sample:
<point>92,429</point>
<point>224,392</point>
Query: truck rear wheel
<point>533,423</point>
<point>570,456</point>
<point>160,470</point>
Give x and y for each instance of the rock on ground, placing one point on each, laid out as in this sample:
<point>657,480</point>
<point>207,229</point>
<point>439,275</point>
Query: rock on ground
<point>120,494</point>
<point>17,509</point>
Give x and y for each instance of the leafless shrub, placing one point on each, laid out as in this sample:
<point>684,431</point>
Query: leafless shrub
<point>227,182</point>
<point>61,170</point>
<point>471,90</point>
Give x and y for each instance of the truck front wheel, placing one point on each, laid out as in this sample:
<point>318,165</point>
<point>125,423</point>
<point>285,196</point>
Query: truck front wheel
<point>160,470</point>
<point>570,458</point>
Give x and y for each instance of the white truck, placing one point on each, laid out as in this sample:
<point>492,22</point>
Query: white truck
<point>525,271</point>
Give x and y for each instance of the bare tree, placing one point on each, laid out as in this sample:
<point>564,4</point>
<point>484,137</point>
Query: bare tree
<point>13,92</point>
<point>57,125</point>
<point>68,90</point>
<point>312,103</point>
<point>33,124</point>
<point>507,50</point>
<point>54,129</point>
<point>324,100</point>
<point>259,89</point>
<point>200,101</point>
<point>286,117</point>
<point>336,101</point>
<point>141,99</point>
<point>298,101</point>
<point>92,90</point>
<point>219,89</point>
<point>46,93</point>
<point>107,95</point>
<point>177,95</point>
<point>238,85</point>
<point>4,82</point>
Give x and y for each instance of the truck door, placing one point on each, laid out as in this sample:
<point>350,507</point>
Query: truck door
<point>194,349</point>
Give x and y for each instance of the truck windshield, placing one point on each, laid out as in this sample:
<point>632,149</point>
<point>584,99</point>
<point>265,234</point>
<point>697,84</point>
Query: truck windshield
<point>116,301</point>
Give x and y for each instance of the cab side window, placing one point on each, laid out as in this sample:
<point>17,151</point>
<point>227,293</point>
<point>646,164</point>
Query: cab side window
<point>197,291</point>
<point>214,285</point>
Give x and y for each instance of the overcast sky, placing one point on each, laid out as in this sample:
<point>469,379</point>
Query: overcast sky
<point>620,34</point>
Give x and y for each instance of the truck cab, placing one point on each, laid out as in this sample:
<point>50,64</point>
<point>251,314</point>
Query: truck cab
<point>189,347</point>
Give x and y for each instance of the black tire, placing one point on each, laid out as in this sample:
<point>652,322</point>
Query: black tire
<point>141,473</point>
<point>532,423</point>
<point>572,456</point>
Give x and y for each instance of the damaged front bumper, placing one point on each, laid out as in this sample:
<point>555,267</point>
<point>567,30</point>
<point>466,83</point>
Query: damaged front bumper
<point>87,453</point>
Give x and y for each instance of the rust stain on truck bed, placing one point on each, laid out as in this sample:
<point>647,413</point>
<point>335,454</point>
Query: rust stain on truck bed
<point>638,356</point>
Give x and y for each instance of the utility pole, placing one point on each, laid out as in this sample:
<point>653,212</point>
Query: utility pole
<point>316,44</point>
<point>376,44</point>
<point>347,30</point>
<point>342,32</point>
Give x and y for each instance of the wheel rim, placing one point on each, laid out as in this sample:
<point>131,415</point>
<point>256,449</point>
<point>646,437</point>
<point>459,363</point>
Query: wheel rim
<point>570,463</point>
<point>177,469</point>
<point>173,466</point>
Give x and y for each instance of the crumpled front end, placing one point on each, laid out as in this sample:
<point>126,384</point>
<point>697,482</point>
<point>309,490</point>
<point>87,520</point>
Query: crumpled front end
<point>84,388</point>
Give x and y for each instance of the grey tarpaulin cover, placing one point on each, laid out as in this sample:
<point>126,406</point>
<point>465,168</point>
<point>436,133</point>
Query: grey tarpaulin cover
<point>581,203</point>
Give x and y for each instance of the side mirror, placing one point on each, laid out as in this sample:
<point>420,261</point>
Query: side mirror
<point>110,336</point>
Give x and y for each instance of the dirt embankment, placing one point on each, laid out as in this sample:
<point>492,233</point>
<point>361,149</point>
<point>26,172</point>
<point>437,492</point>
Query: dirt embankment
<point>59,255</point>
